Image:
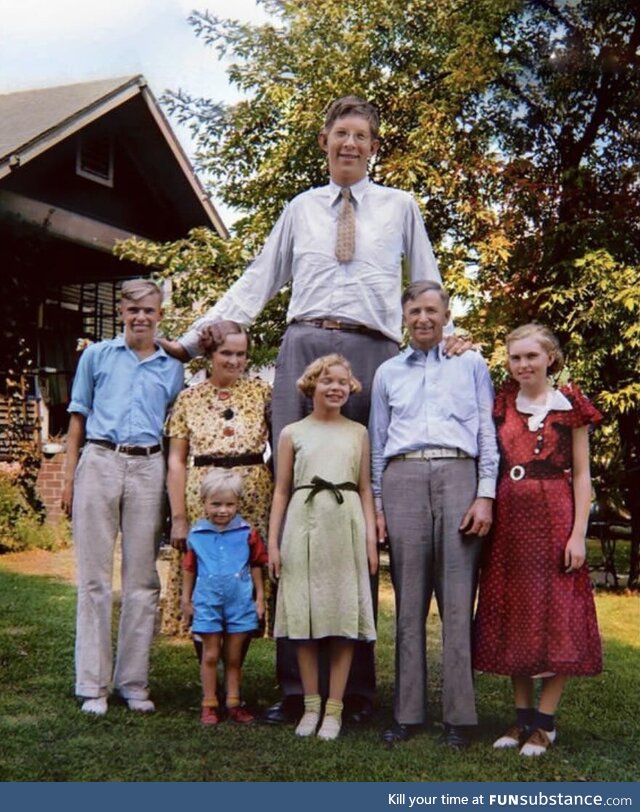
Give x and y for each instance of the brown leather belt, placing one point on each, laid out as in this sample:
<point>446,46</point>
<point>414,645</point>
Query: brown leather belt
<point>132,450</point>
<point>200,460</point>
<point>334,324</point>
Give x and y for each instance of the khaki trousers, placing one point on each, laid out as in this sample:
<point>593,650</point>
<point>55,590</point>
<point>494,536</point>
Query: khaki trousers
<point>113,493</point>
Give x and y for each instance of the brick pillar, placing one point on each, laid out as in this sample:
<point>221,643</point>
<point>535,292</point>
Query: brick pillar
<point>49,484</point>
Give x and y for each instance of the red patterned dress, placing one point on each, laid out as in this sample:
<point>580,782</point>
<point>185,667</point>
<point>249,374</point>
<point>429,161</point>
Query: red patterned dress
<point>533,618</point>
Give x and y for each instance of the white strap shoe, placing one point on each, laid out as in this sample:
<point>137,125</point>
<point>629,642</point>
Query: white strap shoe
<point>308,724</point>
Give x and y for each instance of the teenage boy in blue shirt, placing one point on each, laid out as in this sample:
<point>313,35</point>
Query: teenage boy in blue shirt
<point>121,393</point>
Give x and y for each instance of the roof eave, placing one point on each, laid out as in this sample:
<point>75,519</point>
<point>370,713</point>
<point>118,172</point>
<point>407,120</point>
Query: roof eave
<point>80,119</point>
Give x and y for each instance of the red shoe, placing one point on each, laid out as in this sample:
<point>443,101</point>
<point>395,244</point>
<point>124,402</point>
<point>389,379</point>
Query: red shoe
<point>209,716</point>
<point>240,715</point>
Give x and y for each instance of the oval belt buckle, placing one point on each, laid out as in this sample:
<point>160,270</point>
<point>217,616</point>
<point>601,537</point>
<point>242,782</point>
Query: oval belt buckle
<point>517,473</point>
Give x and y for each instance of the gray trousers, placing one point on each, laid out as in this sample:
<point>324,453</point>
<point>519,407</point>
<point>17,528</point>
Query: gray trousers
<point>424,503</point>
<point>114,492</point>
<point>301,345</point>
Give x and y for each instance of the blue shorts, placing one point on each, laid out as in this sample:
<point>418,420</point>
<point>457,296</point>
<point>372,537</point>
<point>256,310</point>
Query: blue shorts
<point>224,603</point>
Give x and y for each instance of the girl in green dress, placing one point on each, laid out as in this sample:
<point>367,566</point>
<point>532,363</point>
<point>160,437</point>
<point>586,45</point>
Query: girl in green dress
<point>322,538</point>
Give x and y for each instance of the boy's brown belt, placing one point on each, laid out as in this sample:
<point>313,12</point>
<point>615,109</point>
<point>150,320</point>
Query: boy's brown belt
<point>132,450</point>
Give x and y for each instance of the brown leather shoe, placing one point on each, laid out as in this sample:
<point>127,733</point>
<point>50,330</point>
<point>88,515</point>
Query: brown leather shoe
<point>514,737</point>
<point>538,742</point>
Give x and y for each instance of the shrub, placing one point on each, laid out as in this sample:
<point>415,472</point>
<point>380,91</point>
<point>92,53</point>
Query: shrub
<point>21,526</point>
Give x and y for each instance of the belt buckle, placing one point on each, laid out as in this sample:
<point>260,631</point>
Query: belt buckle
<point>517,473</point>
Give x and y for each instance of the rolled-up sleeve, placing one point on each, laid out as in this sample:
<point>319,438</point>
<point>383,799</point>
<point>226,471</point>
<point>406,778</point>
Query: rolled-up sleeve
<point>83,383</point>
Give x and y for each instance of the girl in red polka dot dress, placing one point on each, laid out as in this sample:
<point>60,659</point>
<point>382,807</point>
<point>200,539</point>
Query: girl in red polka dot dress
<point>536,615</point>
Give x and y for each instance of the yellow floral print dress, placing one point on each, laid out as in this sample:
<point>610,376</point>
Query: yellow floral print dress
<point>225,422</point>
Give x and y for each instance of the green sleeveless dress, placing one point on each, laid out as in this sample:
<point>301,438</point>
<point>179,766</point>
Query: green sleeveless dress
<point>324,587</point>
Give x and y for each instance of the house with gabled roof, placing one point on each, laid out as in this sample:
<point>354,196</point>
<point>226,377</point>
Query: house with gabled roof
<point>81,167</point>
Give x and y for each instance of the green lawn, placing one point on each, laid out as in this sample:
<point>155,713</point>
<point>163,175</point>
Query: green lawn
<point>44,736</point>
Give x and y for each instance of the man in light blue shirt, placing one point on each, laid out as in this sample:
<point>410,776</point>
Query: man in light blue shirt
<point>121,393</point>
<point>434,469</point>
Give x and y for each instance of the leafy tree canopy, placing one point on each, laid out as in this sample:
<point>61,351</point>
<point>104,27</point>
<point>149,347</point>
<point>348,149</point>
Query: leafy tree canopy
<point>515,123</point>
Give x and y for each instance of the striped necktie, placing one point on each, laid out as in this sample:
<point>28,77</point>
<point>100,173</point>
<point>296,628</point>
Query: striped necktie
<point>346,237</point>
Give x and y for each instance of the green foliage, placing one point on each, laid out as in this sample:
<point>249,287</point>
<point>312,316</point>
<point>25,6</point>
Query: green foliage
<point>514,123</point>
<point>21,527</point>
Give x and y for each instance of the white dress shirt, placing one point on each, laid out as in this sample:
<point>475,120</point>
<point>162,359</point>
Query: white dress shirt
<point>301,247</point>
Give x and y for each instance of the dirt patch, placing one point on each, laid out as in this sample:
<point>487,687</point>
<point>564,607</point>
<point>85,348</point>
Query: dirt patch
<point>61,564</point>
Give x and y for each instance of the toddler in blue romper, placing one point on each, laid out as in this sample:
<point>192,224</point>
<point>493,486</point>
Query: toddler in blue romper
<point>222,570</point>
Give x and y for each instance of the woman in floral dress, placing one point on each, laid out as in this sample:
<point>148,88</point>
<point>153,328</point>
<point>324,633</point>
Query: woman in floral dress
<point>221,422</point>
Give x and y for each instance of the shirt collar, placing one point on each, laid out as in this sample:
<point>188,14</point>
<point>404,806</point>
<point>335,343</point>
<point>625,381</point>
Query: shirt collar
<point>205,525</point>
<point>415,354</point>
<point>357,190</point>
<point>120,343</point>
<point>555,401</point>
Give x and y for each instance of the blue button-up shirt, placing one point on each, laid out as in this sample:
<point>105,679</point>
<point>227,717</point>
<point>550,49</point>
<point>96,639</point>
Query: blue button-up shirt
<point>124,398</point>
<point>425,400</point>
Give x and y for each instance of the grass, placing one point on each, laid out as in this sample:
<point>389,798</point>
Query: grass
<point>44,736</point>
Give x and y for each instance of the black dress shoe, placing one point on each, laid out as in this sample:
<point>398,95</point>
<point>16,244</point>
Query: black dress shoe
<point>398,733</point>
<point>357,709</point>
<point>455,736</point>
<point>285,712</point>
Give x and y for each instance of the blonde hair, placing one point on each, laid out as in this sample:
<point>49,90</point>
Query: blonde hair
<point>545,338</point>
<point>307,382</point>
<point>220,481</point>
<point>133,290</point>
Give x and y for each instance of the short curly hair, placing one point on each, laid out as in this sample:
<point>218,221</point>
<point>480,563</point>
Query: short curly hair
<point>307,382</point>
<point>214,333</point>
<point>546,339</point>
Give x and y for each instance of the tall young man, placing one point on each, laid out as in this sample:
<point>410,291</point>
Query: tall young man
<point>121,393</point>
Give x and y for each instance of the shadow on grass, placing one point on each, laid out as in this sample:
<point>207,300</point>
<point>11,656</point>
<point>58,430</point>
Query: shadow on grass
<point>45,737</point>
